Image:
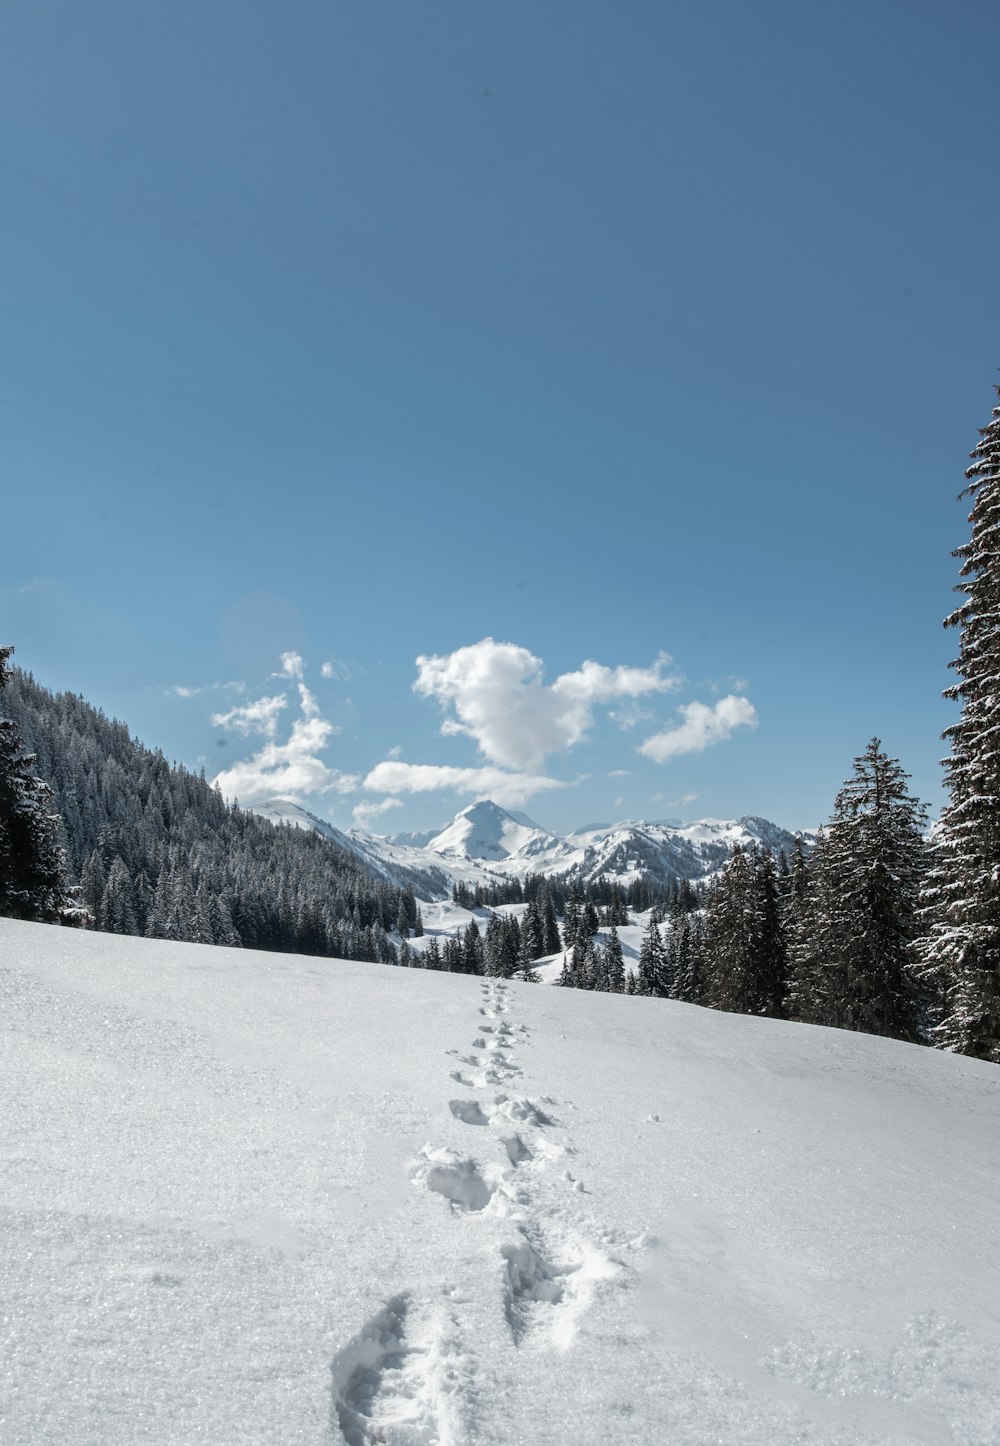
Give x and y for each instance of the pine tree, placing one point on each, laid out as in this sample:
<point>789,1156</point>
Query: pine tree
<point>472,949</point>
<point>961,899</point>
<point>733,928</point>
<point>532,933</point>
<point>32,865</point>
<point>687,981</point>
<point>650,980</point>
<point>551,942</point>
<point>852,962</point>
<point>116,913</point>
<point>615,963</point>
<point>525,959</point>
<point>571,915</point>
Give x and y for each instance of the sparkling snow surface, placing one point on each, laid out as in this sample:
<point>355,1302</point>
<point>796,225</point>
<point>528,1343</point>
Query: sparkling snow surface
<point>250,1198</point>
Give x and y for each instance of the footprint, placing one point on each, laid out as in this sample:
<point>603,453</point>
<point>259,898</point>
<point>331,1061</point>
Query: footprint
<point>518,1153</point>
<point>546,1293</point>
<point>493,1075</point>
<point>468,1111</point>
<point>479,1043</point>
<point>459,1078</point>
<point>383,1386</point>
<point>456,1178</point>
<point>522,1109</point>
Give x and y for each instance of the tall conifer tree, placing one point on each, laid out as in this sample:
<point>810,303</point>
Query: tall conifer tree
<point>853,959</point>
<point>32,866</point>
<point>961,900</point>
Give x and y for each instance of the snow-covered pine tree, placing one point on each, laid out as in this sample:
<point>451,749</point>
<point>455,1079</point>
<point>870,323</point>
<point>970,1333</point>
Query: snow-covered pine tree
<point>550,929</point>
<point>32,865</point>
<point>961,898</point>
<point>651,958</point>
<point>532,933</point>
<point>852,962</point>
<point>615,963</point>
<point>687,982</point>
<point>745,952</point>
<point>733,924</point>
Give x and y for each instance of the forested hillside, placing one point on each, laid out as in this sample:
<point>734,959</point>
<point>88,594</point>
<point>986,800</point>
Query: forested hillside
<point>158,852</point>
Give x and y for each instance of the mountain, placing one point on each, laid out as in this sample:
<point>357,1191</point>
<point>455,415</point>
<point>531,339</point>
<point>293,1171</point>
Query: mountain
<point>283,810</point>
<point>261,1198</point>
<point>490,842</point>
<point>486,831</point>
<point>418,868</point>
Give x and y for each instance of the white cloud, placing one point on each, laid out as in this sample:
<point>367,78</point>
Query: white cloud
<point>681,802</point>
<point>702,727</point>
<point>500,701</point>
<point>258,717</point>
<point>367,810</point>
<point>336,668</point>
<point>291,666</point>
<point>394,752</point>
<point>620,773</point>
<point>292,769</point>
<point>505,788</point>
<point>179,691</point>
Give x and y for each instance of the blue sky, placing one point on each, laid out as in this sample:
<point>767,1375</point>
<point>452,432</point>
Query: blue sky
<point>360,333</point>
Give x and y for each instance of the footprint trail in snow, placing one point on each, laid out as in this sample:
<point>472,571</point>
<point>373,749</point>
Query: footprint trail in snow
<point>399,1380</point>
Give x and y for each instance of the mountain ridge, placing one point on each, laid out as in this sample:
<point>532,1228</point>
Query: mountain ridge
<point>485,841</point>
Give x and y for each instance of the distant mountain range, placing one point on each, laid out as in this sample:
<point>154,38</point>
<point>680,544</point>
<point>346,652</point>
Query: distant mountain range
<point>485,842</point>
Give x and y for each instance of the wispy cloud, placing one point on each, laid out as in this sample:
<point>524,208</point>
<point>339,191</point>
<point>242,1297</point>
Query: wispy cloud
<point>702,727</point>
<point>620,773</point>
<point>494,694</point>
<point>289,769</point>
<point>336,668</point>
<point>499,784</point>
<point>291,666</point>
<point>629,715</point>
<point>365,812</point>
<point>180,691</point>
<point>260,716</point>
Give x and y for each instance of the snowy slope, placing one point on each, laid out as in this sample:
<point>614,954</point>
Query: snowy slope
<point>258,1199</point>
<point>283,810</point>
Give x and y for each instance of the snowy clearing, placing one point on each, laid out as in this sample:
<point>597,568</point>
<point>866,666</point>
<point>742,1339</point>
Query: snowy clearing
<point>255,1198</point>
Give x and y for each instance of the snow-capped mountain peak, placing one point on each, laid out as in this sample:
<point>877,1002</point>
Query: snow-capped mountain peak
<point>486,831</point>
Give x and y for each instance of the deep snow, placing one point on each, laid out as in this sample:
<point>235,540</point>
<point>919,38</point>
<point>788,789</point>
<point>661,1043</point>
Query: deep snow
<point>254,1198</point>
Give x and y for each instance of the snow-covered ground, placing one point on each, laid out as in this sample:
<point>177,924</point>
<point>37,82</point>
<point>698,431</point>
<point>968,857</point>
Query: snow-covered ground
<point>254,1198</point>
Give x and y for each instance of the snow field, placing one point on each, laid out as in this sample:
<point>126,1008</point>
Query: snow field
<point>263,1199</point>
